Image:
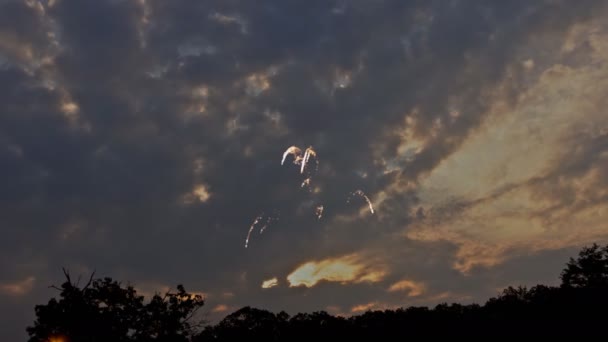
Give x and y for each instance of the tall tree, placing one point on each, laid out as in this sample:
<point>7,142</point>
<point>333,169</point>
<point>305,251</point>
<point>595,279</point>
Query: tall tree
<point>104,310</point>
<point>589,270</point>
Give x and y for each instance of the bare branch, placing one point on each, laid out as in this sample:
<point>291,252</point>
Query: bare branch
<point>192,313</point>
<point>89,282</point>
<point>55,287</point>
<point>67,275</point>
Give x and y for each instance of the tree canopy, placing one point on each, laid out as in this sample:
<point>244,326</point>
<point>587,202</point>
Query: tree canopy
<point>589,270</point>
<point>104,310</point>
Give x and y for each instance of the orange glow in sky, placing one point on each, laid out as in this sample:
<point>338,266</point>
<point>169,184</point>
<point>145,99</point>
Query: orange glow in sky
<point>346,269</point>
<point>58,338</point>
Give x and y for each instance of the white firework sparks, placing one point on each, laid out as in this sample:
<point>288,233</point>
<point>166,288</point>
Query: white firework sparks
<point>258,220</point>
<point>306,183</point>
<point>269,221</point>
<point>303,160</point>
<point>295,151</point>
<point>255,222</point>
<point>265,225</point>
<point>307,154</point>
<point>319,211</point>
<point>300,159</point>
<point>362,194</point>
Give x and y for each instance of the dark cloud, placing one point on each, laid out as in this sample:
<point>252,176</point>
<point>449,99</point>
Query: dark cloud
<point>102,134</point>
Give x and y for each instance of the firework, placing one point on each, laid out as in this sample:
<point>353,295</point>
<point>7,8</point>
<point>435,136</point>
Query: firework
<point>306,183</point>
<point>307,154</point>
<point>269,221</point>
<point>295,151</point>
<point>303,160</point>
<point>362,194</point>
<point>255,222</point>
<point>319,211</point>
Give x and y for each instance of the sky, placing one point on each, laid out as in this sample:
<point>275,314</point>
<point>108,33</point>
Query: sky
<point>140,139</point>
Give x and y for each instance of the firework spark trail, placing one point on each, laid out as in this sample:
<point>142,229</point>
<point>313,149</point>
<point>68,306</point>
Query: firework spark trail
<point>319,211</point>
<point>304,161</point>
<point>265,225</point>
<point>362,194</point>
<point>313,153</point>
<point>306,183</point>
<point>300,159</point>
<point>258,220</point>
<point>295,151</point>
<point>307,154</point>
<point>268,222</point>
<point>255,222</point>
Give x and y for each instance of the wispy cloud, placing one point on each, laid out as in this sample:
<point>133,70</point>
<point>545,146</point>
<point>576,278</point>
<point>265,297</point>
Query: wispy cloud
<point>411,288</point>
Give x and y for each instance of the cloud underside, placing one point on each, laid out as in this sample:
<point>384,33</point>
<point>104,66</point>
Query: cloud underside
<point>344,270</point>
<point>142,138</point>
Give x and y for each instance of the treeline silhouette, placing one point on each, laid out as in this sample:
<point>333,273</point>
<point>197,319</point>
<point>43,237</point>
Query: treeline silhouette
<point>104,311</point>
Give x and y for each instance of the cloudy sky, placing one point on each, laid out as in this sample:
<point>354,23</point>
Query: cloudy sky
<point>142,138</point>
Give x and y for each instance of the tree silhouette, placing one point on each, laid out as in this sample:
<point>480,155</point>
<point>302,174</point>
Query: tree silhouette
<point>104,310</point>
<point>576,309</point>
<point>589,270</point>
<point>247,323</point>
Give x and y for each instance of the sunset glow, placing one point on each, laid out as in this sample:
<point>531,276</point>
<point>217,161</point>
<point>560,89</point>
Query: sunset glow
<point>347,269</point>
<point>298,155</point>
<point>411,288</point>
<point>266,284</point>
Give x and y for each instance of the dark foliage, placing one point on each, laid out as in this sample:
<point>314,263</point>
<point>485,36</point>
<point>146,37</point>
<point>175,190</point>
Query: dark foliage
<point>590,270</point>
<point>103,310</point>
